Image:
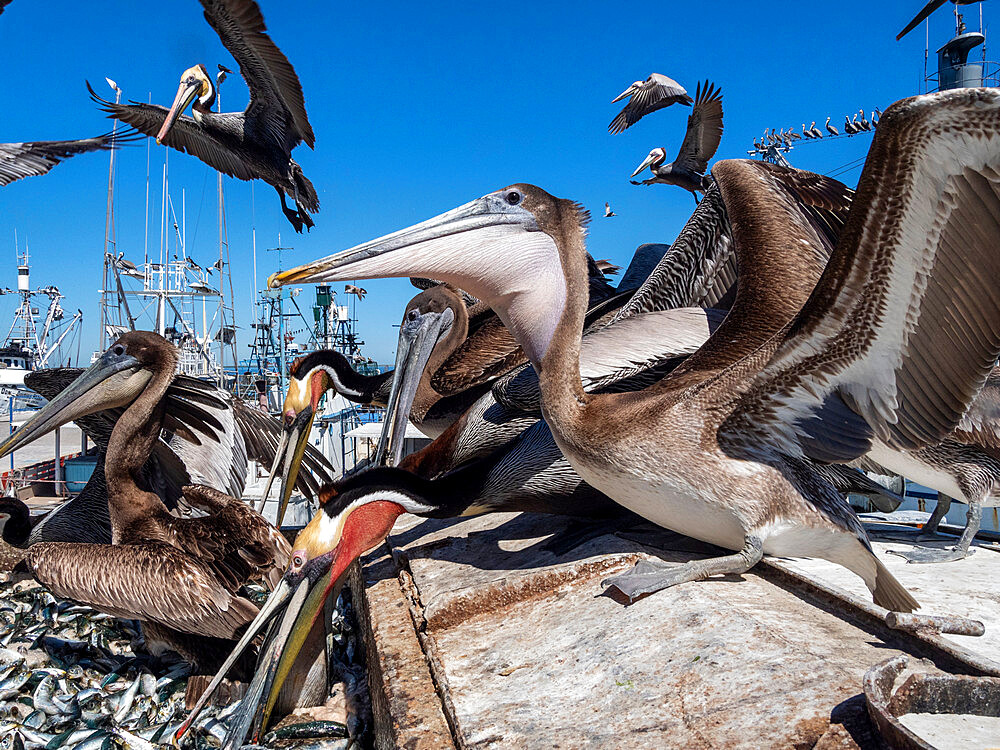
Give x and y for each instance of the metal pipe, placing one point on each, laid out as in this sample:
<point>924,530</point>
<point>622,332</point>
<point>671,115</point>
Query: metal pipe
<point>58,459</point>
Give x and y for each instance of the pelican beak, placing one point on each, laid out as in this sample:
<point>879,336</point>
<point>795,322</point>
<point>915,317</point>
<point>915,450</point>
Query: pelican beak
<point>283,593</point>
<point>297,439</point>
<point>320,578</point>
<point>418,336</point>
<point>648,160</point>
<point>627,92</point>
<point>113,380</point>
<point>186,93</point>
<point>436,248</point>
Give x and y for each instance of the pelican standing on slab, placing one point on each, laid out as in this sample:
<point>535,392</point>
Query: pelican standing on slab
<point>704,132</point>
<point>179,576</point>
<point>656,92</point>
<point>254,144</point>
<point>716,449</point>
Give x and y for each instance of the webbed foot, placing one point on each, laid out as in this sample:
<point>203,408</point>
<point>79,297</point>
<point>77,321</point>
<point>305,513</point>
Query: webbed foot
<point>648,578</point>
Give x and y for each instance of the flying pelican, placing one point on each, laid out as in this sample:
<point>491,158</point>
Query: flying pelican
<point>178,576</point>
<point>656,92</point>
<point>704,132</point>
<point>254,144</point>
<point>355,290</point>
<point>19,160</point>
<point>931,6</point>
<point>730,430</point>
<point>830,129</point>
<point>608,213</point>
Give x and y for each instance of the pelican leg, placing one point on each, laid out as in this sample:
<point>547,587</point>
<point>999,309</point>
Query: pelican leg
<point>303,214</point>
<point>292,216</point>
<point>930,530</point>
<point>960,551</point>
<point>649,577</point>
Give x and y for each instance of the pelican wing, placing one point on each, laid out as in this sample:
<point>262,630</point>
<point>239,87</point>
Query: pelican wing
<point>904,327</point>
<point>704,130</point>
<point>488,352</point>
<point>783,222</point>
<point>698,269</point>
<point>981,422</point>
<point>218,148</point>
<point>656,92</point>
<point>625,355</point>
<point>276,98</point>
<point>18,160</point>
<point>148,581</point>
<point>262,433</point>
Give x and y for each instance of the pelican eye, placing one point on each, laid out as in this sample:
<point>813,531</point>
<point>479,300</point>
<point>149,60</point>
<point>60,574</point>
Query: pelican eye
<point>118,350</point>
<point>513,197</point>
<point>297,561</point>
<point>413,314</point>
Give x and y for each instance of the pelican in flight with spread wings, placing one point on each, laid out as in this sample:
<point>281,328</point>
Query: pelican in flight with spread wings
<point>656,92</point>
<point>704,132</point>
<point>254,144</point>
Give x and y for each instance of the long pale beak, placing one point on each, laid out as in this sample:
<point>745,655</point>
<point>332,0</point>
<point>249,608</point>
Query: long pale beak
<point>418,336</point>
<point>111,381</point>
<point>185,95</point>
<point>424,256</point>
<point>277,601</point>
<point>627,92</point>
<point>279,459</point>
<point>649,160</point>
<point>298,439</point>
<point>279,654</point>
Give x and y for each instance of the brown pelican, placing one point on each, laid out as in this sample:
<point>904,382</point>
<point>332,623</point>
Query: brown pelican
<point>793,135</point>
<point>863,123</point>
<point>704,131</point>
<point>807,132</point>
<point>355,290</point>
<point>178,576</point>
<point>656,92</point>
<point>830,129</point>
<point>254,144</point>
<point>608,213</point>
<point>849,127</point>
<point>739,416</point>
<point>18,160</point>
<point>814,132</point>
<point>931,6</point>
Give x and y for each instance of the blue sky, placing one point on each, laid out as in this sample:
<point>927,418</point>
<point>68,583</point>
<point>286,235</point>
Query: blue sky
<point>420,107</point>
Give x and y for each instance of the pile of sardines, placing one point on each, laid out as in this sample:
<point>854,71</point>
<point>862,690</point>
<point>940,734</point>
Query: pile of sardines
<point>70,677</point>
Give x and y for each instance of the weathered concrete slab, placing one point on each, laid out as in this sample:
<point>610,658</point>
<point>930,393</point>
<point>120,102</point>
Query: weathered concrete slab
<point>524,651</point>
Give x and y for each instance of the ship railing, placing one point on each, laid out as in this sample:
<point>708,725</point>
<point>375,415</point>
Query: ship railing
<point>990,75</point>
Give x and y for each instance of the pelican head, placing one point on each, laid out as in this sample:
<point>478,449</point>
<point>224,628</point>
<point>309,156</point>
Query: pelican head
<point>356,515</point>
<point>428,320</point>
<point>196,83</point>
<point>487,247</point>
<point>628,92</point>
<point>114,380</point>
<point>655,158</point>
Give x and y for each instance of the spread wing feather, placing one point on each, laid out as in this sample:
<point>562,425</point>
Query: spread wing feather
<point>903,329</point>
<point>276,100</point>
<point>704,130</point>
<point>18,160</point>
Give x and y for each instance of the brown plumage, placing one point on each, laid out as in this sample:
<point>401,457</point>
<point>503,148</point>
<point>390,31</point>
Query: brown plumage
<point>182,574</point>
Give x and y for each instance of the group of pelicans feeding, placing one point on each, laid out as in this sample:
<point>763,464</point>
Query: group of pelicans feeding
<point>722,390</point>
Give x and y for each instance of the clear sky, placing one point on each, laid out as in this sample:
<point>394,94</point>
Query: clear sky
<point>418,107</point>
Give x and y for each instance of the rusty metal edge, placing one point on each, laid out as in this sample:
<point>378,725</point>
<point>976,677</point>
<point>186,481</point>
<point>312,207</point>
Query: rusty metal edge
<point>386,692</point>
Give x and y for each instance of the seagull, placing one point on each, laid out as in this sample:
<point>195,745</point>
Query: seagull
<point>608,213</point>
